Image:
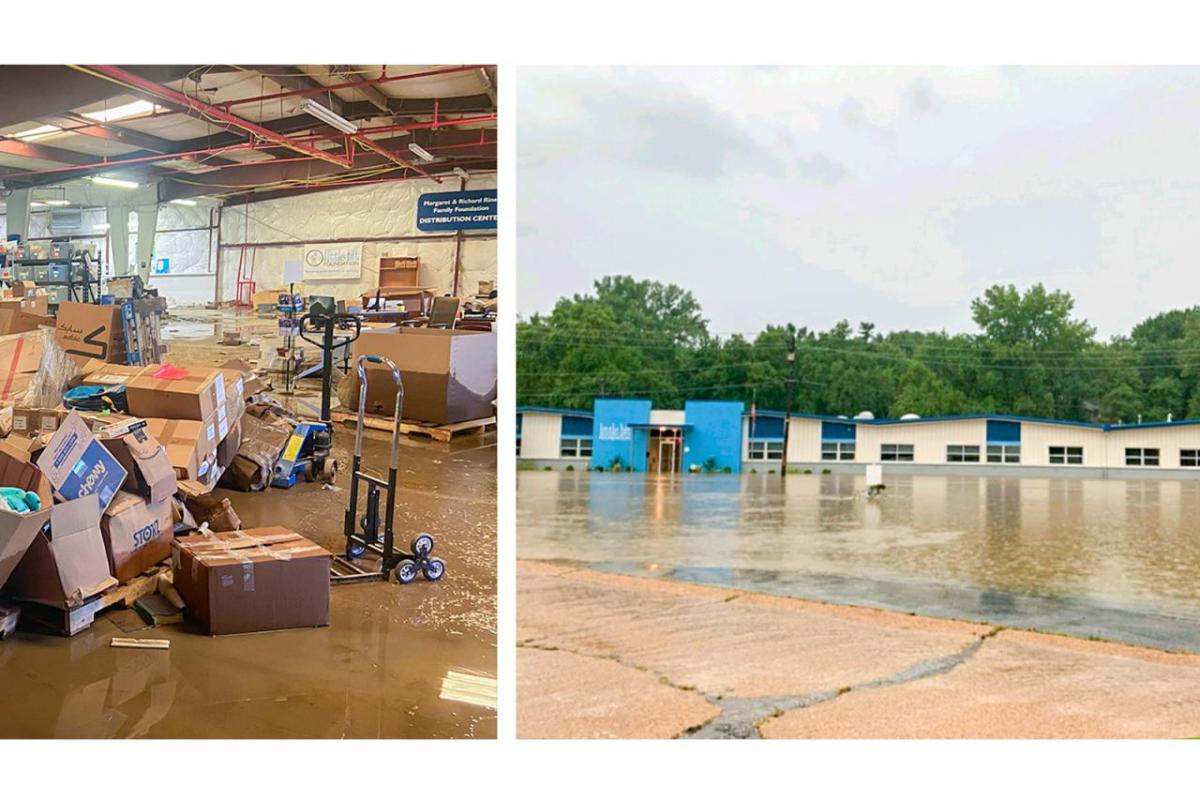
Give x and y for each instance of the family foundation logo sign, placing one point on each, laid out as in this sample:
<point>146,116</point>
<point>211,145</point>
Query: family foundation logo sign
<point>332,261</point>
<point>615,432</point>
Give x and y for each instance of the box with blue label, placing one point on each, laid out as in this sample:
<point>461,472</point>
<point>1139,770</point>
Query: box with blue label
<point>77,464</point>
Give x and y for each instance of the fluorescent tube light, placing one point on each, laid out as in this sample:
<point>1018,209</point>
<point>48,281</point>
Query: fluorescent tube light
<point>312,107</point>
<point>38,132</point>
<point>121,112</point>
<point>180,201</point>
<point>421,153</point>
<point>57,202</point>
<point>119,183</point>
<point>101,226</point>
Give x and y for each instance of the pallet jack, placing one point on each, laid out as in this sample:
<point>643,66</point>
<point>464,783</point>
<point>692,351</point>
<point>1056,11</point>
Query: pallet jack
<point>370,537</point>
<point>307,450</point>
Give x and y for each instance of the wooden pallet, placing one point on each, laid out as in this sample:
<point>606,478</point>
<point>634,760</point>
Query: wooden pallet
<point>72,620</point>
<point>9,615</point>
<point>440,433</point>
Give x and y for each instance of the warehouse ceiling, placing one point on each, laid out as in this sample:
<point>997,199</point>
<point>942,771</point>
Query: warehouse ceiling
<point>238,133</point>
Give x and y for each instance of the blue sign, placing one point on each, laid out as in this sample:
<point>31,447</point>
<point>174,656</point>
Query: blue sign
<point>457,211</point>
<point>162,267</point>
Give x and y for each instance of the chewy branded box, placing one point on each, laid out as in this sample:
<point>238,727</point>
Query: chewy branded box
<point>67,563</point>
<point>189,447</point>
<point>88,331</point>
<point>137,535</point>
<point>261,579</point>
<point>176,393</point>
<point>17,529</point>
<point>76,464</point>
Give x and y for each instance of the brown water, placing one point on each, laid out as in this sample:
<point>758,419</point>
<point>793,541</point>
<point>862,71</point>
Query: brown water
<point>1106,558</point>
<point>391,664</point>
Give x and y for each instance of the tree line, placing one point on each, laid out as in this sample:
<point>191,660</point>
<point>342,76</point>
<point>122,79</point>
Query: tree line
<point>1029,356</point>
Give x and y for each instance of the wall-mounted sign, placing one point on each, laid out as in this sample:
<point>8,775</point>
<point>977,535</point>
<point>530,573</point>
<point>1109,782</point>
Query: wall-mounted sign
<point>615,432</point>
<point>332,261</point>
<point>457,211</point>
<point>162,266</point>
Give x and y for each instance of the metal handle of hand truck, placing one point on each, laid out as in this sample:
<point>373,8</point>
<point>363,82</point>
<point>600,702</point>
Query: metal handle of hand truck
<point>360,366</point>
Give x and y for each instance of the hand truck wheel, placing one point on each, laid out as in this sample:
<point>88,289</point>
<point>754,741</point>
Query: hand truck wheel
<point>310,471</point>
<point>406,571</point>
<point>355,549</point>
<point>329,471</point>
<point>433,569</point>
<point>422,545</point>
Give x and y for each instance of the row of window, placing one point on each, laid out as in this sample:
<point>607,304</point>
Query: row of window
<point>995,454</point>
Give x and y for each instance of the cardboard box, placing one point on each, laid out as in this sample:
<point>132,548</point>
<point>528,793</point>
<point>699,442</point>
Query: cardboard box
<point>20,359</point>
<point>76,464</point>
<point>36,304</point>
<point>176,393</point>
<point>98,421</point>
<point>29,421</point>
<point>261,579</point>
<point>137,534</point>
<point>88,331</point>
<point>228,448</point>
<point>189,448</point>
<point>18,530</point>
<point>98,374</point>
<point>67,563</point>
<point>149,471</point>
<point>251,383</point>
<point>449,376</point>
<point>15,320</point>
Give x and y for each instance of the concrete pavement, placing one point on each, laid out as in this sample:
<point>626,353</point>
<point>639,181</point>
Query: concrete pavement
<point>603,655</point>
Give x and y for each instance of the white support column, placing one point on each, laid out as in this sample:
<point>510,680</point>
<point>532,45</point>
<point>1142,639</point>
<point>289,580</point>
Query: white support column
<point>118,234</point>
<point>17,212</point>
<point>147,226</point>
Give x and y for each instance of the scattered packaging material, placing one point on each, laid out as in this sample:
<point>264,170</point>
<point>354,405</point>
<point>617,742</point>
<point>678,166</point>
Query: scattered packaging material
<point>88,331</point>
<point>256,580</point>
<point>6,419</point>
<point>137,534</point>
<point>449,376</point>
<point>29,421</point>
<point>17,530</point>
<point>228,449</point>
<point>20,360</point>
<point>263,438</point>
<point>184,521</point>
<point>98,421</point>
<point>77,464</point>
<point>67,563</point>
<point>189,448</point>
<point>176,393</point>
<point>150,473</point>
<point>218,513</point>
<point>251,383</point>
<point>99,374</point>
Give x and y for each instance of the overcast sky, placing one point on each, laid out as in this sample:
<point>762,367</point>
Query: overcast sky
<point>893,195</point>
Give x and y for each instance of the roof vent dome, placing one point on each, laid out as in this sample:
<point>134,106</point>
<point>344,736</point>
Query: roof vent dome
<point>864,416</point>
<point>910,416</point>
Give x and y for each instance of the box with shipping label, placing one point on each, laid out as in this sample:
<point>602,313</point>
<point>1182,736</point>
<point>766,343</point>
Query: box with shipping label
<point>137,534</point>
<point>176,393</point>
<point>66,563</point>
<point>88,331</point>
<point>102,375</point>
<point>150,473</point>
<point>77,464</point>
<point>29,421</point>
<point>256,580</point>
<point>189,447</point>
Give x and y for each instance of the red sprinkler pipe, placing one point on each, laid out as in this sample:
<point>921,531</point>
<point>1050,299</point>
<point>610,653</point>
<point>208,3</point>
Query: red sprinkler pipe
<point>319,90</point>
<point>177,98</point>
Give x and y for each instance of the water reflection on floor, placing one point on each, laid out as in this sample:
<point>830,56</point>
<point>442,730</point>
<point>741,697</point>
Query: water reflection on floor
<point>1111,558</point>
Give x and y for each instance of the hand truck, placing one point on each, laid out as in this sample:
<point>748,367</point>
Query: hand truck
<point>370,537</point>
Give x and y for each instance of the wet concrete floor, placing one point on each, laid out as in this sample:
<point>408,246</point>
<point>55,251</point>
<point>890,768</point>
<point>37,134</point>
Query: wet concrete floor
<point>1108,559</point>
<point>396,661</point>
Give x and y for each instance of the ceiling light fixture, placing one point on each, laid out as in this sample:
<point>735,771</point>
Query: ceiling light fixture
<point>315,109</point>
<point>119,183</point>
<point>420,152</point>
<point>38,132</point>
<point>181,201</point>
<point>121,112</point>
<point>57,202</point>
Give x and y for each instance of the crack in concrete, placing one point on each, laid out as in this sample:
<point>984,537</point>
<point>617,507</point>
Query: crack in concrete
<point>741,717</point>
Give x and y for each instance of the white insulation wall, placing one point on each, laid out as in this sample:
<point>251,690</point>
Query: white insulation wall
<point>381,212</point>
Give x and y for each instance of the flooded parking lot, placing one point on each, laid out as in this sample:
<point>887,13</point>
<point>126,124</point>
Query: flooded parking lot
<point>1111,559</point>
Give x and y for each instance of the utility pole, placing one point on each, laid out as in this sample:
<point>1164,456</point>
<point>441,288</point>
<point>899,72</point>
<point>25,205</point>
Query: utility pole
<point>790,382</point>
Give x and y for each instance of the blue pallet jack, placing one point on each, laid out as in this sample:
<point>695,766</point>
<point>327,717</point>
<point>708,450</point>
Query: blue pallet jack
<point>376,534</point>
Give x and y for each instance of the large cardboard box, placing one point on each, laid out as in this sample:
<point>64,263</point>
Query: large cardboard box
<point>66,564</point>
<point>20,359</point>
<point>449,376</point>
<point>137,534</point>
<point>88,331</point>
<point>37,305</point>
<point>14,320</point>
<point>98,374</point>
<point>149,471</point>
<point>17,530</point>
<point>176,393</point>
<point>190,449</point>
<point>256,580</point>
<point>28,421</point>
<point>77,464</point>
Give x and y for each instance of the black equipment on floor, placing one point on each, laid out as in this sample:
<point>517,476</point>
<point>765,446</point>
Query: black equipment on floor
<point>376,534</point>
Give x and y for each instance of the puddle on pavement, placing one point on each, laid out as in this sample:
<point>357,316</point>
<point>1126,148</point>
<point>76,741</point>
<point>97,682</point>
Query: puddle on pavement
<point>1113,559</point>
<point>381,668</point>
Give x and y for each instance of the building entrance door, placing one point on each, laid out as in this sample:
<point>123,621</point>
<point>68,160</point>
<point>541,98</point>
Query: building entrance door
<point>666,449</point>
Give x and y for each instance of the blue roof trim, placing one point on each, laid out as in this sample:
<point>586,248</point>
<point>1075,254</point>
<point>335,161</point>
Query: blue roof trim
<point>552,410</point>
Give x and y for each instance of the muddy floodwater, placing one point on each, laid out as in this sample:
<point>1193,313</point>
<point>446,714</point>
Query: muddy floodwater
<point>1111,559</point>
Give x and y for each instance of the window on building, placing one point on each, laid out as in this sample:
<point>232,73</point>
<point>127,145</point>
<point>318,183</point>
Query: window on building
<point>765,450</point>
<point>834,451</point>
<point>1141,457</point>
<point>896,453</point>
<point>575,448</point>
<point>1065,454</point>
<point>1006,454</point>
<point>1189,458</point>
<point>962,453</point>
